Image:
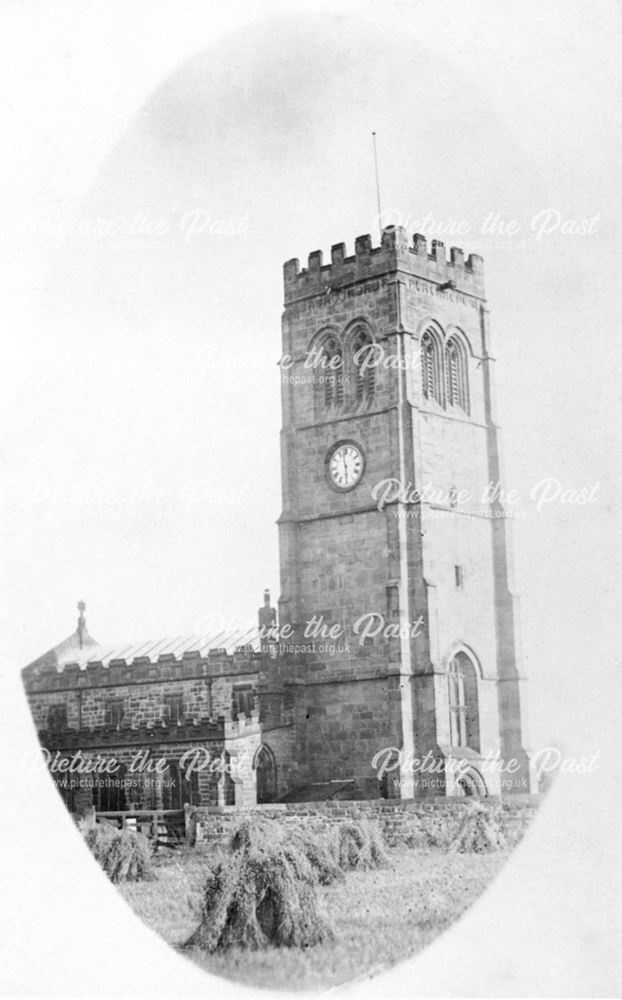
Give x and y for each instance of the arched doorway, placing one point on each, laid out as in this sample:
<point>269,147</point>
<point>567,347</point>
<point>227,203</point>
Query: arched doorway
<point>471,783</point>
<point>265,771</point>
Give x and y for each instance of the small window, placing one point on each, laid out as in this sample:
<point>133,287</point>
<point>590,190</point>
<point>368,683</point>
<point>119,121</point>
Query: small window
<point>459,577</point>
<point>243,701</point>
<point>114,713</point>
<point>173,709</point>
<point>57,718</point>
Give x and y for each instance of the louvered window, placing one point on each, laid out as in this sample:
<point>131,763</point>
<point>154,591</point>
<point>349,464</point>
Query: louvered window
<point>456,375</point>
<point>329,374</point>
<point>430,368</point>
<point>364,368</point>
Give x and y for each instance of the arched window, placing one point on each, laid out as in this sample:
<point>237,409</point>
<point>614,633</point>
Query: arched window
<point>228,784</point>
<point>463,703</point>
<point>328,373</point>
<point>109,791</point>
<point>177,788</point>
<point>265,769</point>
<point>431,367</point>
<point>456,375</point>
<point>363,366</point>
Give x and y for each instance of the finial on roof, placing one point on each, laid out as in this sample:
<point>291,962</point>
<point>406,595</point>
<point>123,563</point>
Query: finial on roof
<point>267,614</point>
<point>81,622</point>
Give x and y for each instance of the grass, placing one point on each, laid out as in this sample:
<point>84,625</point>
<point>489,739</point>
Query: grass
<point>379,917</point>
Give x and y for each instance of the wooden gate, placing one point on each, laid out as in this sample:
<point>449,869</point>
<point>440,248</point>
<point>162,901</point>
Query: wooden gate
<point>165,827</point>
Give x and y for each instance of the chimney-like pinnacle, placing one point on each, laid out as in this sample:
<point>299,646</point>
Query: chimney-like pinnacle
<point>81,630</point>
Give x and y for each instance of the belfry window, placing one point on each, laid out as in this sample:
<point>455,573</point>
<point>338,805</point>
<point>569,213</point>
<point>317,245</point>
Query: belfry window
<point>364,368</point>
<point>463,703</point>
<point>456,376</point>
<point>329,373</point>
<point>430,367</point>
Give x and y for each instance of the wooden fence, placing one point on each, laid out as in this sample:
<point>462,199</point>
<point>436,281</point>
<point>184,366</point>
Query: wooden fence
<point>166,827</point>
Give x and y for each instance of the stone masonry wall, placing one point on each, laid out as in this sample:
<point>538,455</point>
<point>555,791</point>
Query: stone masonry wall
<point>398,819</point>
<point>203,683</point>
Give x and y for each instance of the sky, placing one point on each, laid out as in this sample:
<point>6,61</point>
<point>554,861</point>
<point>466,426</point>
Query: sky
<point>142,406</point>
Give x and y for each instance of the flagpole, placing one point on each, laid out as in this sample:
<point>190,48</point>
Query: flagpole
<point>377,184</point>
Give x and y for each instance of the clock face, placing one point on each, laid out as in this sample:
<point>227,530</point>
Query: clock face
<point>345,466</point>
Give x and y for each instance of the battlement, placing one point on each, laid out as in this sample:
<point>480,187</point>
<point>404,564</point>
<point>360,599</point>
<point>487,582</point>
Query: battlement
<point>117,672</point>
<point>395,253</point>
<point>126,735</point>
<point>244,725</point>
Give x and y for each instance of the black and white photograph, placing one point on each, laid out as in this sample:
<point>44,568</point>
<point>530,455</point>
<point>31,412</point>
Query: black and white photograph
<point>310,521</point>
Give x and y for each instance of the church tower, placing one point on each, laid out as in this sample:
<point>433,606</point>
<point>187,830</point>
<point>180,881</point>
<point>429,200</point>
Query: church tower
<point>394,551</point>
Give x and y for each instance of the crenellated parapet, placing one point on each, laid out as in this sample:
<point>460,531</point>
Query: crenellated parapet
<point>395,253</point>
<point>126,735</point>
<point>116,673</point>
<point>244,725</point>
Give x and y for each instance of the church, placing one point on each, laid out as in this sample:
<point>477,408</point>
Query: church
<point>396,639</point>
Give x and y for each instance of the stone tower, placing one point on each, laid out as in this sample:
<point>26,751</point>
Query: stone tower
<point>394,551</point>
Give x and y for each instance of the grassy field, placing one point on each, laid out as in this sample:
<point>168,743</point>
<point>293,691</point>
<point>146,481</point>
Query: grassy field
<point>379,917</point>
